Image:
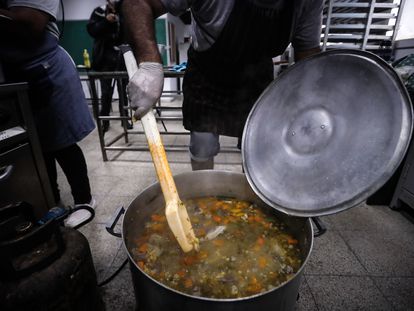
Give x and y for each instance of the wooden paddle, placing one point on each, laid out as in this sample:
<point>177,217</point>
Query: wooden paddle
<point>175,210</point>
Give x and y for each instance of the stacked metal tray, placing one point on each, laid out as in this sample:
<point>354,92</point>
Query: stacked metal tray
<point>361,24</point>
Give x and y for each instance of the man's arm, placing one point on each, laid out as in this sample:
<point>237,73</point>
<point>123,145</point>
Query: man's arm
<point>306,41</point>
<point>139,23</point>
<point>24,23</point>
<point>299,55</point>
<point>145,86</point>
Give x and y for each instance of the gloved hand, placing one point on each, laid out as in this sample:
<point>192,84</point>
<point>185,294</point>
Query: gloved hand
<point>145,87</point>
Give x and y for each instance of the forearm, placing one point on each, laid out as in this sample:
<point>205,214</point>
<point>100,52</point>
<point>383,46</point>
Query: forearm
<point>299,55</point>
<point>8,25</point>
<point>22,23</point>
<point>139,23</point>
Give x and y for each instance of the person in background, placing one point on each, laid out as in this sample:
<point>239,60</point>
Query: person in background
<point>105,26</point>
<point>30,52</point>
<point>229,60</point>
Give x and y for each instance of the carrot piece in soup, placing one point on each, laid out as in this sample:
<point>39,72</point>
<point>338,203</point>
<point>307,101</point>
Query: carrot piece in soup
<point>202,204</point>
<point>158,218</point>
<point>143,248</point>
<point>262,262</point>
<point>254,286</point>
<point>217,218</point>
<point>181,273</point>
<point>200,232</point>
<point>258,218</point>
<point>202,255</point>
<point>188,283</point>
<point>218,242</point>
<point>141,264</point>
<point>189,260</point>
<point>292,241</point>
<point>158,227</point>
<point>260,241</point>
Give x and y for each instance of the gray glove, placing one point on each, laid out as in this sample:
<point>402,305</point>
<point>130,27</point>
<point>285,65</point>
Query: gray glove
<point>145,87</point>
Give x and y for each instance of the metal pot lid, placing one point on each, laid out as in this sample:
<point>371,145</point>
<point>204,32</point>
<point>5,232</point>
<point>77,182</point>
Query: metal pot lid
<point>325,135</point>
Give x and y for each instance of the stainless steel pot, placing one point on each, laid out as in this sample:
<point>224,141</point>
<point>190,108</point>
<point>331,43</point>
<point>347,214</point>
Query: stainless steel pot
<point>152,295</point>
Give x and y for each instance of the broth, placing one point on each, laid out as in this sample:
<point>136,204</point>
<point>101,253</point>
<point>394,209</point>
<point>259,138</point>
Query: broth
<point>243,251</point>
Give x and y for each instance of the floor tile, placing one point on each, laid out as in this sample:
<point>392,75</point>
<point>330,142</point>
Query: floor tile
<point>104,246</point>
<point>306,302</point>
<point>369,219</point>
<point>108,205</point>
<point>104,184</point>
<point>390,254</point>
<point>346,293</point>
<point>398,291</point>
<point>118,295</point>
<point>126,186</point>
<point>331,256</point>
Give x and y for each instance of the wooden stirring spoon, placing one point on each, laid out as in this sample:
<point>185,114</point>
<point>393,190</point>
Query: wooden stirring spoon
<point>175,210</point>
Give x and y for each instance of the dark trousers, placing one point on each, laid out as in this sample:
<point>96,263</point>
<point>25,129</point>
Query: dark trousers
<point>107,89</point>
<point>73,164</point>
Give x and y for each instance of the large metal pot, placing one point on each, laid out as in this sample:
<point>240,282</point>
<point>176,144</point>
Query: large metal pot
<point>152,295</point>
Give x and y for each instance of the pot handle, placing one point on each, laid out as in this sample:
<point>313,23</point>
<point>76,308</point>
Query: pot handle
<point>113,222</point>
<point>5,172</point>
<point>319,225</point>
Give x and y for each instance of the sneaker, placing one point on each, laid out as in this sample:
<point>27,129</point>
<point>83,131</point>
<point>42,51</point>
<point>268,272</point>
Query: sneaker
<point>80,216</point>
<point>54,213</point>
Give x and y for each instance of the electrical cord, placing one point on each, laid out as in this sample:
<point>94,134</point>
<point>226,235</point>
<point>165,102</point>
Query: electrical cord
<point>111,277</point>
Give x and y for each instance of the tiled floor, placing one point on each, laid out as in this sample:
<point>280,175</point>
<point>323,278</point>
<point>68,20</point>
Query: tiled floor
<point>365,261</point>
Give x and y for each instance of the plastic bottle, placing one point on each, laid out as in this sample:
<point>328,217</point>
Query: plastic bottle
<point>86,60</point>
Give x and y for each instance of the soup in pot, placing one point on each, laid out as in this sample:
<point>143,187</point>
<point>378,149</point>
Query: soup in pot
<point>243,250</point>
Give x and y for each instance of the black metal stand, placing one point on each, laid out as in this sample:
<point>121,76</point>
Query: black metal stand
<point>319,225</point>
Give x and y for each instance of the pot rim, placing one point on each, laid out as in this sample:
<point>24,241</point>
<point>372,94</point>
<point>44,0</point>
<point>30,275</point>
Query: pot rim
<point>297,274</point>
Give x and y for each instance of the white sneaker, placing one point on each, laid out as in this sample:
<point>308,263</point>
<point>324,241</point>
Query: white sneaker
<point>80,216</point>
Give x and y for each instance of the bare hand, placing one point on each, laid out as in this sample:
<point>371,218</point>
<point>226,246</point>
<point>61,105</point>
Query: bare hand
<point>112,18</point>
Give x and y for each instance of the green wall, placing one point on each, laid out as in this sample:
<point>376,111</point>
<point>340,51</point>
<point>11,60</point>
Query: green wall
<point>75,38</point>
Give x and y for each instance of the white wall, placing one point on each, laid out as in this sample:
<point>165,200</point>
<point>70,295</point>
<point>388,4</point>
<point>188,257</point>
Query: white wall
<point>182,33</point>
<point>80,9</point>
<point>406,27</point>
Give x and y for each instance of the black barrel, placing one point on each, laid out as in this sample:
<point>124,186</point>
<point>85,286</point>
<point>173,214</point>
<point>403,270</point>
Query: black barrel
<point>67,284</point>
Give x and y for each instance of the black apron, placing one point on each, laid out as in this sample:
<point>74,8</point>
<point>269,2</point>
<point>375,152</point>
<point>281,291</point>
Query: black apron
<point>222,83</point>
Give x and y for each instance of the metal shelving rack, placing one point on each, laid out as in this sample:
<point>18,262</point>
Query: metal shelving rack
<point>116,144</point>
<point>361,24</point>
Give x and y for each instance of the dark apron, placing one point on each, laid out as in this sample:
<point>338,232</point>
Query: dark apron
<point>222,83</point>
<point>56,96</point>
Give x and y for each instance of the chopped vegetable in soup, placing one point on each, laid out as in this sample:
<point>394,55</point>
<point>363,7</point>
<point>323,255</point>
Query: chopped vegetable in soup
<point>243,251</point>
